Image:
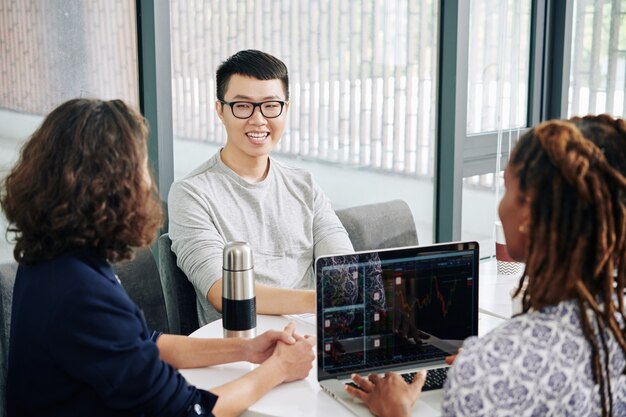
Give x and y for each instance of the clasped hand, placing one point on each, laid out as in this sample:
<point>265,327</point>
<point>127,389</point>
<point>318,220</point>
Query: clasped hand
<point>293,352</point>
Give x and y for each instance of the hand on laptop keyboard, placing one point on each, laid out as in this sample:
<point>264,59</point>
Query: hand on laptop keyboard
<point>435,378</point>
<point>387,395</point>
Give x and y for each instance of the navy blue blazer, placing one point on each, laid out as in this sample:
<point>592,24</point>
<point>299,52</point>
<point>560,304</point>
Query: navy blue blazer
<point>80,347</point>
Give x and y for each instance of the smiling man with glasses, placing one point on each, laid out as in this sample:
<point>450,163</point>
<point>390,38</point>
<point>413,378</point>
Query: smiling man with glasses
<point>243,194</point>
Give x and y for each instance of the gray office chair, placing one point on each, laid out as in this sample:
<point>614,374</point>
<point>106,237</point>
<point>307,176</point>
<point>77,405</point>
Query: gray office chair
<point>380,225</point>
<point>7,280</point>
<point>372,226</point>
<point>141,280</point>
<point>180,296</point>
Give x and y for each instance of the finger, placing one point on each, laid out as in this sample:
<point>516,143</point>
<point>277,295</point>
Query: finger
<point>450,359</point>
<point>274,336</point>
<point>290,328</point>
<point>311,340</point>
<point>419,379</point>
<point>391,375</point>
<point>374,378</point>
<point>364,383</point>
<point>297,336</point>
<point>288,334</point>
<point>304,345</point>
<point>355,392</point>
<point>287,338</point>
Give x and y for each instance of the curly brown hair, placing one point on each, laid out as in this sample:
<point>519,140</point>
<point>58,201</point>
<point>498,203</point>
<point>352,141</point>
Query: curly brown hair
<point>81,181</point>
<point>575,175</point>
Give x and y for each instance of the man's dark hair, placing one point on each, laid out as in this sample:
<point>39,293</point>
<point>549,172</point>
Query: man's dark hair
<point>251,63</point>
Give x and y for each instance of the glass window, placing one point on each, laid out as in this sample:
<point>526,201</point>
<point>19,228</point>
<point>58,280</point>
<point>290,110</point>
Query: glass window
<point>363,90</point>
<point>498,74</point>
<point>598,65</point>
<point>55,51</point>
<point>498,65</point>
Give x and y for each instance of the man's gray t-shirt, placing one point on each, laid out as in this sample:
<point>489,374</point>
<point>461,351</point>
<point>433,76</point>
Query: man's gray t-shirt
<point>286,219</point>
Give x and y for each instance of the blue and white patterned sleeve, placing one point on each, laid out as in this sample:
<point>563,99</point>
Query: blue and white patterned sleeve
<point>533,365</point>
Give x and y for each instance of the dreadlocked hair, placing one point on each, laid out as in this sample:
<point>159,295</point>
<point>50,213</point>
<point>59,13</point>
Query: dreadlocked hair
<point>574,174</point>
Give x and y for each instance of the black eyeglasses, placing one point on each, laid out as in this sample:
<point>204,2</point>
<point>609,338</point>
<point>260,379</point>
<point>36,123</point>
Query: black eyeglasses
<point>245,109</point>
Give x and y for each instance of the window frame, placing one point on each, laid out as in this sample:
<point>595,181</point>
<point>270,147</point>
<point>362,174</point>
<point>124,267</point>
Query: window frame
<point>457,154</point>
<point>551,35</point>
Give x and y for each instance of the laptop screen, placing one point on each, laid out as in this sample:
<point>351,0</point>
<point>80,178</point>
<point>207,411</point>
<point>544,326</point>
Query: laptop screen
<point>395,307</point>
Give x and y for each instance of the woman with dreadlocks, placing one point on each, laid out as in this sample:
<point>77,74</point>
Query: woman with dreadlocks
<point>564,215</point>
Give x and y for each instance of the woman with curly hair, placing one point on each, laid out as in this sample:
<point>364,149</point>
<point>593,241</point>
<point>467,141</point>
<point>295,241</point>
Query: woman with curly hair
<point>81,196</point>
<point>564,215</point>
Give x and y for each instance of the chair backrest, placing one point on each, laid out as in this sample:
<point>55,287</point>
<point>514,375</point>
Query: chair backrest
<point>140,278</point>
<point>180,296</point>
<point>372,226</point>
<point>7,280</point>
<point>388,224</point>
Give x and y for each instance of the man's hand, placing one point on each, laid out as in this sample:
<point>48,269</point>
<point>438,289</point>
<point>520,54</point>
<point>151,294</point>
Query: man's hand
<point>388,395</point>
<point>260,348</point>
<point>288,361</point>
<point>294,361</point>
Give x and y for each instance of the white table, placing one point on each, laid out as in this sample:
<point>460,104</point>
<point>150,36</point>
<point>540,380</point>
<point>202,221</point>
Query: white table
<point>305,398</point>
<point>301,398</point>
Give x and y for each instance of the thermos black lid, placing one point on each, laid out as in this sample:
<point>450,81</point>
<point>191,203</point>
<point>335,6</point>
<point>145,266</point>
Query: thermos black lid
<point>237,256</point>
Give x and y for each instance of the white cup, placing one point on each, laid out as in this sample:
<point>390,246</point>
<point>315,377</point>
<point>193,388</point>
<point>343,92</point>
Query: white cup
<point>505,265</point>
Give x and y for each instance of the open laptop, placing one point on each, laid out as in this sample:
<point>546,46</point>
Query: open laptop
<point>401,309</point>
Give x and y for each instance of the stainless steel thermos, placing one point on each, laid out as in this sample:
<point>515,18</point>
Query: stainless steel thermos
<point>238,298</point>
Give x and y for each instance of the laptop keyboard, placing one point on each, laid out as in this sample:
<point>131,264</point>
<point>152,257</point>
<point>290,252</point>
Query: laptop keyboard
<point>435,378</point>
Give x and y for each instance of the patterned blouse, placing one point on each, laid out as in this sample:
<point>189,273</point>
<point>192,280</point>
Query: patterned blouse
<point>537,364</point>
